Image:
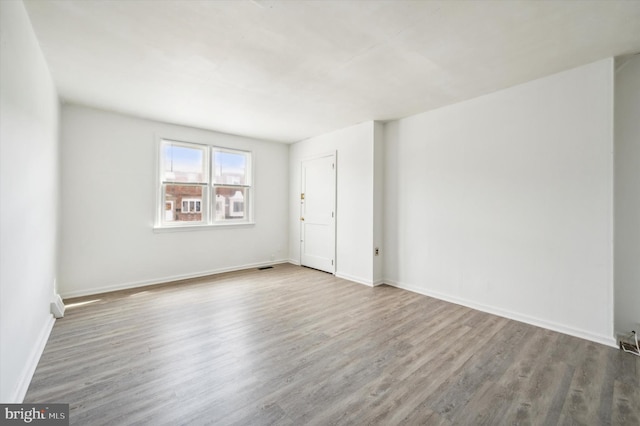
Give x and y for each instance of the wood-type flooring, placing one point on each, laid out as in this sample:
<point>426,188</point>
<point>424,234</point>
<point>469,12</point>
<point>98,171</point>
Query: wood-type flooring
<point>295,346</point>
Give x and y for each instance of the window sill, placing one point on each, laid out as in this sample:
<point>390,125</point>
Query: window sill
<point>182,228</point>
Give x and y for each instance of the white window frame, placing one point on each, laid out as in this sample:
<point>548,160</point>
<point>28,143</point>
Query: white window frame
<point>208,200</point>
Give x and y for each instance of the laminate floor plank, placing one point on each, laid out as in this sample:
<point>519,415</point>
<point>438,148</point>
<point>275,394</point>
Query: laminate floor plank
<point>435,364</point>
<point>293,346</point>
<point>588,389</point>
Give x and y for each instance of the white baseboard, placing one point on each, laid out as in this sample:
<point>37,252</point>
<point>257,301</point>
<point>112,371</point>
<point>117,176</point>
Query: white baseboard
<point>162,280</point>
<point>294,262</point>
<point>561,328</point>
<point>355,279</point>
<point>32,362</point>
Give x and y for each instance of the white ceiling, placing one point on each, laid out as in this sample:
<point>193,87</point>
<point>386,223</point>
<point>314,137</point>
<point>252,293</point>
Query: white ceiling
<point>289,70</point>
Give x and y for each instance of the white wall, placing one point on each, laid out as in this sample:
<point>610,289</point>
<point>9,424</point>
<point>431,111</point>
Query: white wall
<point>29,199</point>
<point>108,207</point>
<point>354,221</point>
<point>627,196</point>
<point>504,202</point>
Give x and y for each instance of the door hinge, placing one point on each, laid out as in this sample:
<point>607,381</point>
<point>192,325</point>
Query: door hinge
<point>302,195</point>
<point>331,262</point>
<point>331,214</point>
<point>333,166</point>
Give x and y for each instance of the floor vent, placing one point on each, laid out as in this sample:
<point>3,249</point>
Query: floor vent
<point>265,267</point>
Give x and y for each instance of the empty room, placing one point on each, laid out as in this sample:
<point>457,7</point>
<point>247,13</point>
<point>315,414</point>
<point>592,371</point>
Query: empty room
<point>289,212</point>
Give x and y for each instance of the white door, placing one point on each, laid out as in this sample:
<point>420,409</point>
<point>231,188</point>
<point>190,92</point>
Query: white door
<point>317,213</point>
<point>168,211</point>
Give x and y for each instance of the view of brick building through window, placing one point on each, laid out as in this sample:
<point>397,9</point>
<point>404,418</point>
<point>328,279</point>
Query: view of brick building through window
<point>183,203</point>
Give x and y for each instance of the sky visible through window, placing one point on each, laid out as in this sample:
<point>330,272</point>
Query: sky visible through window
<point>227,160</point>
<point>230,168</point>
<point>182,159</point>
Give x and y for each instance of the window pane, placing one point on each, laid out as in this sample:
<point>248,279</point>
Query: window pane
<point>231,203</point>
<point>185,202</point>
<point>183,164</point>
<point>230,168</point>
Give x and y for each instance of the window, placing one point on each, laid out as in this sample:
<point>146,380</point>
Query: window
<point>191,205</point>
<point>203,185</point>
<point>231,180</point>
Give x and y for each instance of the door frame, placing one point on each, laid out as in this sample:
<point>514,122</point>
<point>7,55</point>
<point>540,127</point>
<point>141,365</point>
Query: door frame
<point>334,207</point>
